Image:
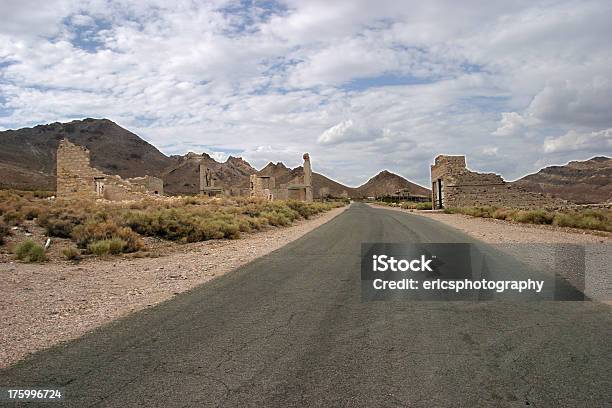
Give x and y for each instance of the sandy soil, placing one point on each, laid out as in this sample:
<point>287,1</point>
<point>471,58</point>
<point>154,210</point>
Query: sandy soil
<point>41,305</point>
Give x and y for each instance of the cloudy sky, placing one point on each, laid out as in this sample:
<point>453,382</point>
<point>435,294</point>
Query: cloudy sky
<point>361,85</point>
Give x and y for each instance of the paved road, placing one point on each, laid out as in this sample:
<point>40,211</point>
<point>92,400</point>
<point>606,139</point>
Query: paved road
<point>289,329</point>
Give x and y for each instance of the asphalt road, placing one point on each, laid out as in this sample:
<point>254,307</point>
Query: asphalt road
<point>290,329</point>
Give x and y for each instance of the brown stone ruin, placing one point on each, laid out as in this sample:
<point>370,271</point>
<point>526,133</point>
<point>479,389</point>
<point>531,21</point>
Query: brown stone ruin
<point>453,186</point>
<point>299,188</point>
<point>207,182</point>
<point>262,186</point>
<point>76,177</point>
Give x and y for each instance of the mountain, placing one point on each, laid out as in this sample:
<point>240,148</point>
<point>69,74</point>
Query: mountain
<point>183,177</point>
<point>385,182</point>
<point>582,182</point>
<point>27,161</point>
<point>27,156</point>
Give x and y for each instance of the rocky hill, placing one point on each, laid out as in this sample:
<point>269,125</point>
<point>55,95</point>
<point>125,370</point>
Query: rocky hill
<point>27,156</point>
<point>184,176</point>
<point>385,182</point>
<point>27,161</point>
<point>582,182</point>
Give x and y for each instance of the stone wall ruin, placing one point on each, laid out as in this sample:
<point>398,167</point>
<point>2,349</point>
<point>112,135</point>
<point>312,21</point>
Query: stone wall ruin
<point>454,186</point>
<point>77,178</point>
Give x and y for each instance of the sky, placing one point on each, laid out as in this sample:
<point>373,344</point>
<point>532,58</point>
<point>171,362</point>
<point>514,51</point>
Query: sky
<point>361,85</point>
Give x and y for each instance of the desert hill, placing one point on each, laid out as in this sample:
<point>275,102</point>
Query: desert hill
<point>27,156</point>
<point>582,182</point>
<point>27,161</point>
<point>385,182</point>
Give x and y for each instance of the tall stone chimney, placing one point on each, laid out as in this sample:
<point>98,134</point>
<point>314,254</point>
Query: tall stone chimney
<point>307,178</point>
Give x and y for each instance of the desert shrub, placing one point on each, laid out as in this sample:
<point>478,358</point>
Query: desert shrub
<point>71,253</point>
<point>30,212</point>
<point>586,219</point>
<point>111,246</point>
<point>4,231</point>
<point>415,206</point>
<point>29,251</point>
<point>58,225</point>
<point>532,217</point>
<point>13,217</point>
<point>275,219</point>
<point>89,232</point>
<point>502,213</point>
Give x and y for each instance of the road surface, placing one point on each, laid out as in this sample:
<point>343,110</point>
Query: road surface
<point>290,329</point>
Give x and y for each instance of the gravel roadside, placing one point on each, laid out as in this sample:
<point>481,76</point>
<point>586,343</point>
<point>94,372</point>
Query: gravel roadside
<point>543,247</point>
<point>44,304</point>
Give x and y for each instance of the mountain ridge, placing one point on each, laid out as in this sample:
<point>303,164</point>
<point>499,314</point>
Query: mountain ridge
<point>27,158</point>
<point>582,182</point>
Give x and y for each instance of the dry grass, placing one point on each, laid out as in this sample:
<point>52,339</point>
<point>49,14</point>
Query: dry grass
<point>407,205</point>
<point>29,251</point>
<point>600,219</point>
<point>103,227</point>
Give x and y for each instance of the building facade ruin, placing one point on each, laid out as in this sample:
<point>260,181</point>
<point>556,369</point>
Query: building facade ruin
<point>299,188</point>
<point>77,178</point>
<point>262,186</point>
<point>453,186</point>
<point>207,182</point>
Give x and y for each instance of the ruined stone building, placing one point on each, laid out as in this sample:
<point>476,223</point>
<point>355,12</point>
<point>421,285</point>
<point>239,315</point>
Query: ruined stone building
<point>207,182</point>
<point>263,187</point>
<point>77,178</point>
<point>299,188</point>
<point>453,185</point>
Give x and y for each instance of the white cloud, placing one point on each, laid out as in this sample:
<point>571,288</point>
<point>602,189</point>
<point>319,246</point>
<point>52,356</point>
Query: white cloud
<point>319,76</point>
<point>511,124</point>
<point>595,142</point>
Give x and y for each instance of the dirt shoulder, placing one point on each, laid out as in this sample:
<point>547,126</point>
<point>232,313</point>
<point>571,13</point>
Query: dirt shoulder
<point>495,231</point>
<point>544,249</point>
<point>44,304</point>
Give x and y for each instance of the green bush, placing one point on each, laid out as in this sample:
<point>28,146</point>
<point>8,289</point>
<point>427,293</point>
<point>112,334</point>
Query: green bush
<point>29,251</point>
<point>111,246</point>
<point>532,217</point>
<point>71,253</point>
<point>91,231</point>
<point>585,219</point>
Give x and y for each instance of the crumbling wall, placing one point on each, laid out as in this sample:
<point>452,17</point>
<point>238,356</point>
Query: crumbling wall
<point>207,182</point>
<point>262,186</point>
<point>453,185</point>
<point>300,188</point>
<point>77,178</point>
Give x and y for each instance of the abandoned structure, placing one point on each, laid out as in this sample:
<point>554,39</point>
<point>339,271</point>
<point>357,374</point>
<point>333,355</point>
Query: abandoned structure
<point>262,186</point>
<point>77,178</point>
<point>300,188</point>
<point>207,182</point>
<point>453,185</point>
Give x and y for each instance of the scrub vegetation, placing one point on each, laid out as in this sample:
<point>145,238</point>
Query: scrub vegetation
<point>407,205</point>
<point>105,228</point>
<point>592,219</point>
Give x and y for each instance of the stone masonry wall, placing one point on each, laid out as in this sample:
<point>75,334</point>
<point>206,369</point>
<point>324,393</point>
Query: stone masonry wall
<point>464,188</point>
<point>76,178</point>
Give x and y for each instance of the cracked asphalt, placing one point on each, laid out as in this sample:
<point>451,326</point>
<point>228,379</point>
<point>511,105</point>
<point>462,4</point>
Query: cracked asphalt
<point>290,330</point>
